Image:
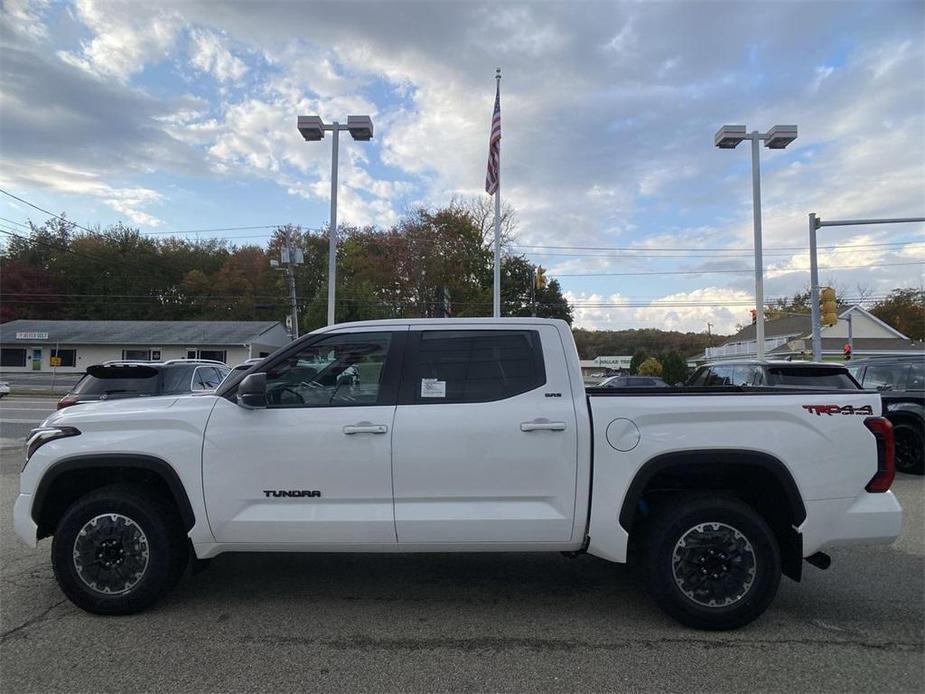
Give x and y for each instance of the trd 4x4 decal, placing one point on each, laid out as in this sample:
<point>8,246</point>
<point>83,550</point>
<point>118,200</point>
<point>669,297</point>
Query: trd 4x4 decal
<point>820,410</point>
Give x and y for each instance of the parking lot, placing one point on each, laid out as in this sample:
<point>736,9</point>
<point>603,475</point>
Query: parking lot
<point>524,622</point>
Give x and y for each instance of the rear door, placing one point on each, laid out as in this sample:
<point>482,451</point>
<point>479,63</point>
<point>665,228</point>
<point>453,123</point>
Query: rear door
<point>485,442</point>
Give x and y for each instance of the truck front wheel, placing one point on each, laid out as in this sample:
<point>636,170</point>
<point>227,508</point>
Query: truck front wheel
<point>117,550</point>
<point>712,561</point>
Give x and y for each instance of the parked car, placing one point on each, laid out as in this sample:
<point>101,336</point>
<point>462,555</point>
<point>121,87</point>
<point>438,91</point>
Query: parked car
<point>454,435</point>
<point>4,388</point>
<point>901,382</point>
<point>117,380</point>
<point>774,374</point>
<point>632,382</point>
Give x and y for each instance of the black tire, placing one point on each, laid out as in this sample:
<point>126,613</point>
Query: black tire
<point>133,554</point>
<point>910,448</point>
<point>723,537</point>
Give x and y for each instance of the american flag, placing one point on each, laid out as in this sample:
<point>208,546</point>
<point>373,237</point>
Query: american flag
<point>494,147</point>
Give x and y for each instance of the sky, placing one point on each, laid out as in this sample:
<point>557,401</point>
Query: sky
<point>182,116</point>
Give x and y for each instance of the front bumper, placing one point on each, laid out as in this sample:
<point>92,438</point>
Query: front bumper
<point>868,519</point>
<point>25,527</point>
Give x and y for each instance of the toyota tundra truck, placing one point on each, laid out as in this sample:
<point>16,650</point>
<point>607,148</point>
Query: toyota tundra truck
<point>460,435</point>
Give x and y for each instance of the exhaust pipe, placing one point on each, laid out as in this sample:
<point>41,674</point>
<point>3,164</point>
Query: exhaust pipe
<point>820,560</point>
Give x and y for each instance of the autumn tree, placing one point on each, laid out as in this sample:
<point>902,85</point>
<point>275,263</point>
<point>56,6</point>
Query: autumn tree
<point>904,310</point>
<point>650,367</point>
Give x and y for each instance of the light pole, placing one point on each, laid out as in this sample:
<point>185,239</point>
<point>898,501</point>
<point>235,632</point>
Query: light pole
<point>778,137</point>
<point>313,129</point>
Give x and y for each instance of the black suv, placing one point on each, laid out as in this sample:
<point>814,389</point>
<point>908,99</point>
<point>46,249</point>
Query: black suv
<point>120,379</point>
<point>901,382</point>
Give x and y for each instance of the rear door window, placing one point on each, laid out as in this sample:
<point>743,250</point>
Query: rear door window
<point>459,366</point>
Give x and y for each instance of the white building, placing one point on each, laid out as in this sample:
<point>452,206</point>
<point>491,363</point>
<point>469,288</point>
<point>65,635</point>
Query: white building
<point>73,345</point>
<point>791,336</point>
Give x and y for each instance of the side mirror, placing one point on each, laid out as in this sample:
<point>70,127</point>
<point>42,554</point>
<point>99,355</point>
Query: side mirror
<point>252,391</point>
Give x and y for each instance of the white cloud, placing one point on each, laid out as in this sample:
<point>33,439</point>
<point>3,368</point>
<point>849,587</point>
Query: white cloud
<point>25,18</point>
<point>129,200</point>
<point>208,53</point>
<point>127,36</point>
<point>689,311</point>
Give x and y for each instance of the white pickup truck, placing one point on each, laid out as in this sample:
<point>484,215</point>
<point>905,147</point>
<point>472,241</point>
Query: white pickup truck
<point>473,435</point>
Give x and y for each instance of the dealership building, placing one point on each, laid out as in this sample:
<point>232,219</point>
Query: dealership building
<point>70,346</point>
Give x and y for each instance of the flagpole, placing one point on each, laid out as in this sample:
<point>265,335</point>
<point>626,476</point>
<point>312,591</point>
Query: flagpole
<point>497,278</point>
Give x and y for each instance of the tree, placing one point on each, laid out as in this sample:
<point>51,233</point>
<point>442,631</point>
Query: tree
<point>481,210</point>
<point>408,270</point>
<point>639,356</point>
<point>650,367</point>
<point>674,367</point>
<point>904,310</point>
<point>596,343</point>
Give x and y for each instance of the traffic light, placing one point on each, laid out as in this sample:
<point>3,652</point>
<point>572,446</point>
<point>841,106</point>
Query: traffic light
<point>829,313</point>
<point>847,350</point>
<point>540,277</point>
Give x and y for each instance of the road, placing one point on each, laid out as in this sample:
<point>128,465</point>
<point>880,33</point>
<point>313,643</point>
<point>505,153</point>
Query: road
<point>19,414</point>
<point>518,622</point>
<point>40,379</point>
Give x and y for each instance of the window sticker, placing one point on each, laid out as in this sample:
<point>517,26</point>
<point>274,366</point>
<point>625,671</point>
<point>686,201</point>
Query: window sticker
<point>432,388</point>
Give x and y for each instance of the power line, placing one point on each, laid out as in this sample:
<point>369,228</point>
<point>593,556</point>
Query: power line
<point>41,209</point>
<point>728,249</point>
<point>206,231</point>
<point>719,272</point>
<point>64,249</point>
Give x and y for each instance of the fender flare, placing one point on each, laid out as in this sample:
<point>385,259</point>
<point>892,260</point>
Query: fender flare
<point>116,460</point>
<point>703,461</point>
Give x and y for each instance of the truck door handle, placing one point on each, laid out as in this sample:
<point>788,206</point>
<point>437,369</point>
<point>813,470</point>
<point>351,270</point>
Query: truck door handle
<point>542,425</point>
<point>365,428</point>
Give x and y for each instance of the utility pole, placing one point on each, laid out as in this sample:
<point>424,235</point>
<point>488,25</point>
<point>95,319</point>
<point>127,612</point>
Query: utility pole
<point>533,294</point>
<point>709,334</point>
<point>290,276</point>
<point>290,257</point>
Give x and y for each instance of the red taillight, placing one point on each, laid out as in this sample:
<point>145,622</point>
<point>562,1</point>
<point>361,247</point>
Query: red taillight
<point>66,401</point>
<point>886,454</point>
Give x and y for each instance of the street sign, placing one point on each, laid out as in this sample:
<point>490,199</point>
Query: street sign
<point>31,336</point>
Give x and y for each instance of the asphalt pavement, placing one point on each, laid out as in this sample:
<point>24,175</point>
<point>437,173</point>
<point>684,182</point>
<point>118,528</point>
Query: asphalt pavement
<point>445,622</point>
<point>21,413</point>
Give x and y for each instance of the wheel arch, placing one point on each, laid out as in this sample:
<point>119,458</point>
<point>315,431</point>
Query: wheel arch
<point>74,476</point>
<point>722,469</point>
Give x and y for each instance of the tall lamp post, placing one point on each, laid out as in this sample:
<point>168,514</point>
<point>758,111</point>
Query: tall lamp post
<point>313,129</point>
<point>778,137</point>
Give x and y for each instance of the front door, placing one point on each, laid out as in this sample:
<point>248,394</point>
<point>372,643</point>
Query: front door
<point>485,444</point>
<point>314,467</point>
<point>36,358</point>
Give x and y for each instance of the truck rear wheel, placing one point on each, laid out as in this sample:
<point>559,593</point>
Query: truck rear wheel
<point>117,550</point>
<point>712,561</point>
